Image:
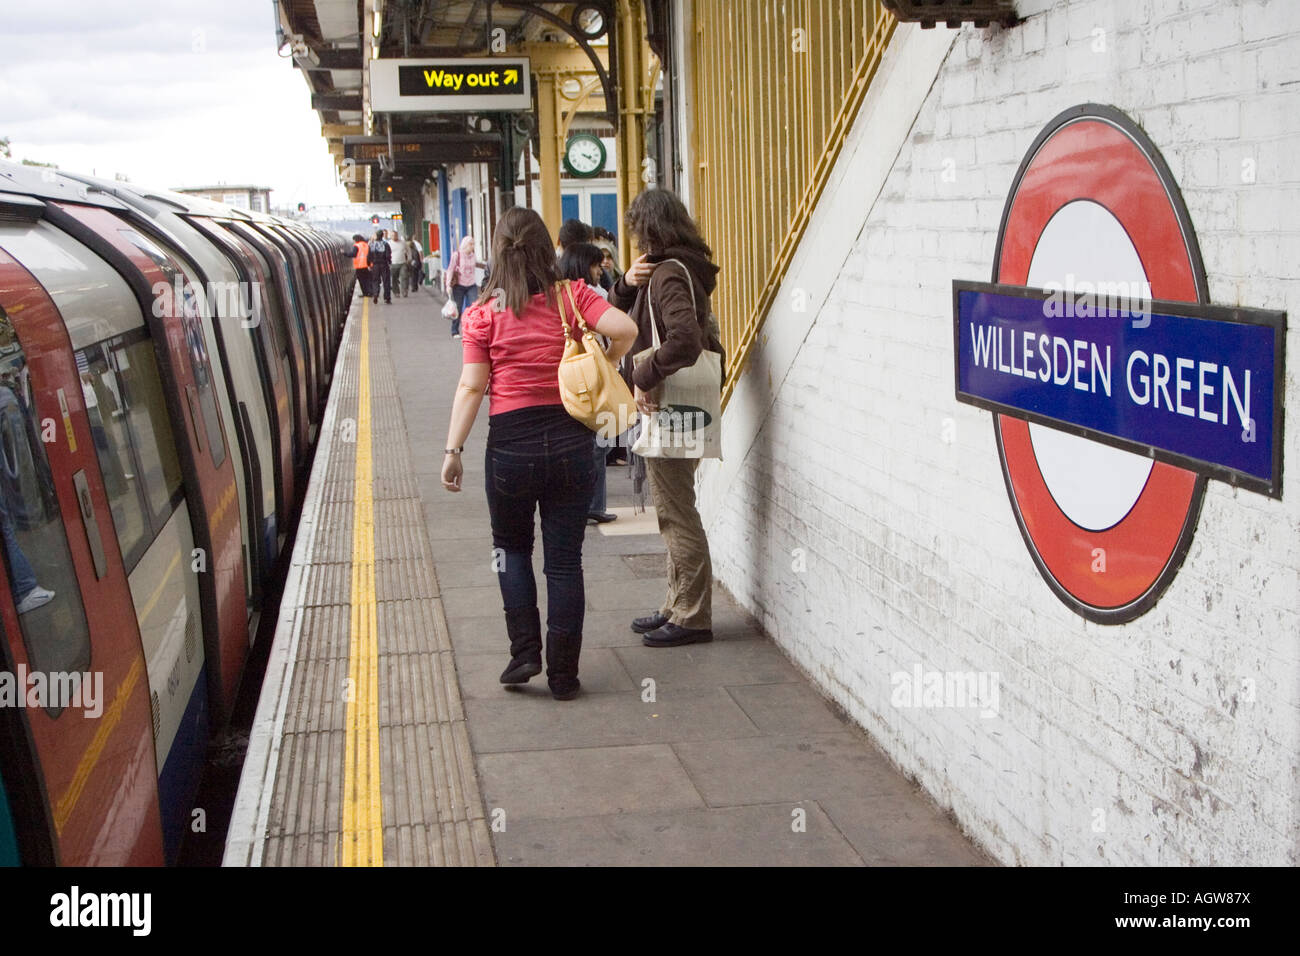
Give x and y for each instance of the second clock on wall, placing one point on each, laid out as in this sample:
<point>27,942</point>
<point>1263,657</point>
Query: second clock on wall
<point>584,155</point>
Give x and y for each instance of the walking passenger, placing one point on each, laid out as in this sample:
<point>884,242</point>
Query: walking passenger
<point>664,230</point>
<point>361,262</point>
<point>581,263</point>
<point>380,273</point>
<point>461,281</point>
<point>537,455</point>
<point>397,246</point>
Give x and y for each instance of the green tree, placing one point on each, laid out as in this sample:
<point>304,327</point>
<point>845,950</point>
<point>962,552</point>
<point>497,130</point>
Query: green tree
<point>4,147</point>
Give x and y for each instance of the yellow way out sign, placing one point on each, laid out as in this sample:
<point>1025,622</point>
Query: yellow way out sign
<point>450,85</point>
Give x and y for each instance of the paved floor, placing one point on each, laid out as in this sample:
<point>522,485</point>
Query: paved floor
<point>716,754</point>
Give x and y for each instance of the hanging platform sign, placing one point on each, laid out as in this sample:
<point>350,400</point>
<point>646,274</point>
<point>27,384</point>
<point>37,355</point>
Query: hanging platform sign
<point>457,85</point>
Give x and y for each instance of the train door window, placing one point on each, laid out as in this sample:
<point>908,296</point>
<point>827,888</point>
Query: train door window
<point>41,575</point>
<point>202,369</point>
<point>133,439</point>
<point>188,307</point>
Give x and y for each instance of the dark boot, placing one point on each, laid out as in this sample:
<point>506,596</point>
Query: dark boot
<point>524,625</point>
<point>562,652</point>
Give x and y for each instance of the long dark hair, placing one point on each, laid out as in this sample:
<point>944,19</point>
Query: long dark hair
<point>523,260</point>
<point>576,261</point>
<point>658,222</point>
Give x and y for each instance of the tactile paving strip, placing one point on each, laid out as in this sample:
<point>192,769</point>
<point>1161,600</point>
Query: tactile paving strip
<point>432,810</point>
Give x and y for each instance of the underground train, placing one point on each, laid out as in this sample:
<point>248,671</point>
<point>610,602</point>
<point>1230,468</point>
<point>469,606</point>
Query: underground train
<point>164,365</point>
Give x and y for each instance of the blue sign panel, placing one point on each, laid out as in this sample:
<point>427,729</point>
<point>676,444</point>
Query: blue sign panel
<point>1197,386</point>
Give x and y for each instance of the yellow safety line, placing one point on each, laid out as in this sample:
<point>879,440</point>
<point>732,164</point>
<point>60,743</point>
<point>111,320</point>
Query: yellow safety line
<point>363,831</point>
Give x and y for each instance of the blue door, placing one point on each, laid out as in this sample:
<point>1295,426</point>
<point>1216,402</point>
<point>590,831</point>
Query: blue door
<point>460,215</point>
<point>568,206</point>
<point>604,211</point>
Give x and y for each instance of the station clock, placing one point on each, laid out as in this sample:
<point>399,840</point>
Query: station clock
<point>584,155</point>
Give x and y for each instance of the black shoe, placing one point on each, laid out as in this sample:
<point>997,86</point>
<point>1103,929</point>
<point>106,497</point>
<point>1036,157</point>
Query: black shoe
<point>671,635</point>
<point>562,652</point>
<point>524,625</point>
<point>600,517</point>
<point>651,622</point>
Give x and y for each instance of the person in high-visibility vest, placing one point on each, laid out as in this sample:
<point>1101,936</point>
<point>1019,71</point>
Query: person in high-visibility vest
<point>361,262</point>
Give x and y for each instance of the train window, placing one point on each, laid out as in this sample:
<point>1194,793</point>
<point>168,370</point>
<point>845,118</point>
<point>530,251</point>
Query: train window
<point>203,376</point>
<point>198,352</point>
<point>41,575</point>
<point>133,439</point>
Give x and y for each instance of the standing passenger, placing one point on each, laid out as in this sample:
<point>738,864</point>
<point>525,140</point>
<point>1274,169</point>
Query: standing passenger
<point>380,263</point>
<point>397,246</point>
<point>416,259</point>
<point>537,455</point>
<point>663,230</point>
<point>580,262</point>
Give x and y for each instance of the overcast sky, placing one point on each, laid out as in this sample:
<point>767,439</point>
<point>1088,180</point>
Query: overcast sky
<point>181,93</point>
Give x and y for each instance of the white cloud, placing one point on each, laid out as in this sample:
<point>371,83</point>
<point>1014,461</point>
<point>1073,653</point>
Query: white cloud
<point>168,94</point>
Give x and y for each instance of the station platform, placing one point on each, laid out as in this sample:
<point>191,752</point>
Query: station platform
<point>382,736</point>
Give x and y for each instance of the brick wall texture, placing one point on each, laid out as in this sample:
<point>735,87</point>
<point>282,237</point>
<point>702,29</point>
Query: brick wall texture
<point>868,527</point>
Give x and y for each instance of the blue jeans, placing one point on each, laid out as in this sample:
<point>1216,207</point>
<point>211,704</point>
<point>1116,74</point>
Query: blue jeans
<point>463,295</point>
<point>24,578</point>
<point>539,457</point>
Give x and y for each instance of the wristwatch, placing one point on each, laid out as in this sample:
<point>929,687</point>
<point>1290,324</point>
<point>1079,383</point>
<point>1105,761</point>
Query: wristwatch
<point>453,451</point>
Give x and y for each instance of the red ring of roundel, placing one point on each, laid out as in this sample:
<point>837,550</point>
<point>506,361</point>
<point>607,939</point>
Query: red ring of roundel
<point>1094,160</point>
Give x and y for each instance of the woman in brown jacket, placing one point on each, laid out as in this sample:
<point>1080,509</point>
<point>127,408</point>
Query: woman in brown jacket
<point>664,231</point>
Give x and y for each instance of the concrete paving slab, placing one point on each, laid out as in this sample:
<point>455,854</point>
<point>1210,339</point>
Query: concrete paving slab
<point>708,665</point>
<point>533,721</point>
<point>585,782</point>
<point>736,836</point>
<point>787,709</point>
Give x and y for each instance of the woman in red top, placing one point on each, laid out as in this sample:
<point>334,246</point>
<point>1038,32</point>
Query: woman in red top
<point>537,455</point>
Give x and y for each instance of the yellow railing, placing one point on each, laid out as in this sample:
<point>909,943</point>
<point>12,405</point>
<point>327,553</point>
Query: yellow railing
<point>776,86</point>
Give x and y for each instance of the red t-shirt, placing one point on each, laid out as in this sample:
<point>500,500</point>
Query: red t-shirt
<point>525,350</point>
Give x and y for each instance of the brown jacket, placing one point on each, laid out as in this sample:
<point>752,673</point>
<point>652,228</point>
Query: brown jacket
<point>683,330</point>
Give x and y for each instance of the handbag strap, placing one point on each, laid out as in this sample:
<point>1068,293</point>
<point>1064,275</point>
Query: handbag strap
<point>654,324</point>
<point>562,287</point>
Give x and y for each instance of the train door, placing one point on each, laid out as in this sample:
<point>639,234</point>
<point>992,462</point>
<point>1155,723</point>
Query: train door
<point>166,297</point>
<point>316,270</point>
<point>77,744</point>
<point>299,305</point>
<point>282,317</point>
<point>274,365</point>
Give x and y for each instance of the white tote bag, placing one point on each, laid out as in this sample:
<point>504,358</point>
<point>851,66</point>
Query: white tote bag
<point>689,421</point>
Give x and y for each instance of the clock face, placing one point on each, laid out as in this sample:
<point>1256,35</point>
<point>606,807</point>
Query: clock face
<point>585,155</point>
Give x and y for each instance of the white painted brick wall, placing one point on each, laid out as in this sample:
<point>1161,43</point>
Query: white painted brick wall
<point>835,445</point>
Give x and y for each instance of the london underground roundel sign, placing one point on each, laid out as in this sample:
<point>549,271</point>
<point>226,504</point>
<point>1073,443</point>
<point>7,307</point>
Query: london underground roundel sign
<point>1117,388</point>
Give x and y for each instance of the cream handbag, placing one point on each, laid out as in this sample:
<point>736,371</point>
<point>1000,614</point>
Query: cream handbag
<point>592,390</point>
<point>688,423</point>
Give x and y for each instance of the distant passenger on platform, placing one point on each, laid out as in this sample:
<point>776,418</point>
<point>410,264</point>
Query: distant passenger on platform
<point>397,245</point>
<point>415,258</point>
<point>361,262</point>
<point>537,455</point>
<point>609,263</point>
<point>572,231</point>
<point>461,280</point>
<point>581,263</point>
<point>664,230</point>
<point>381,261</point>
